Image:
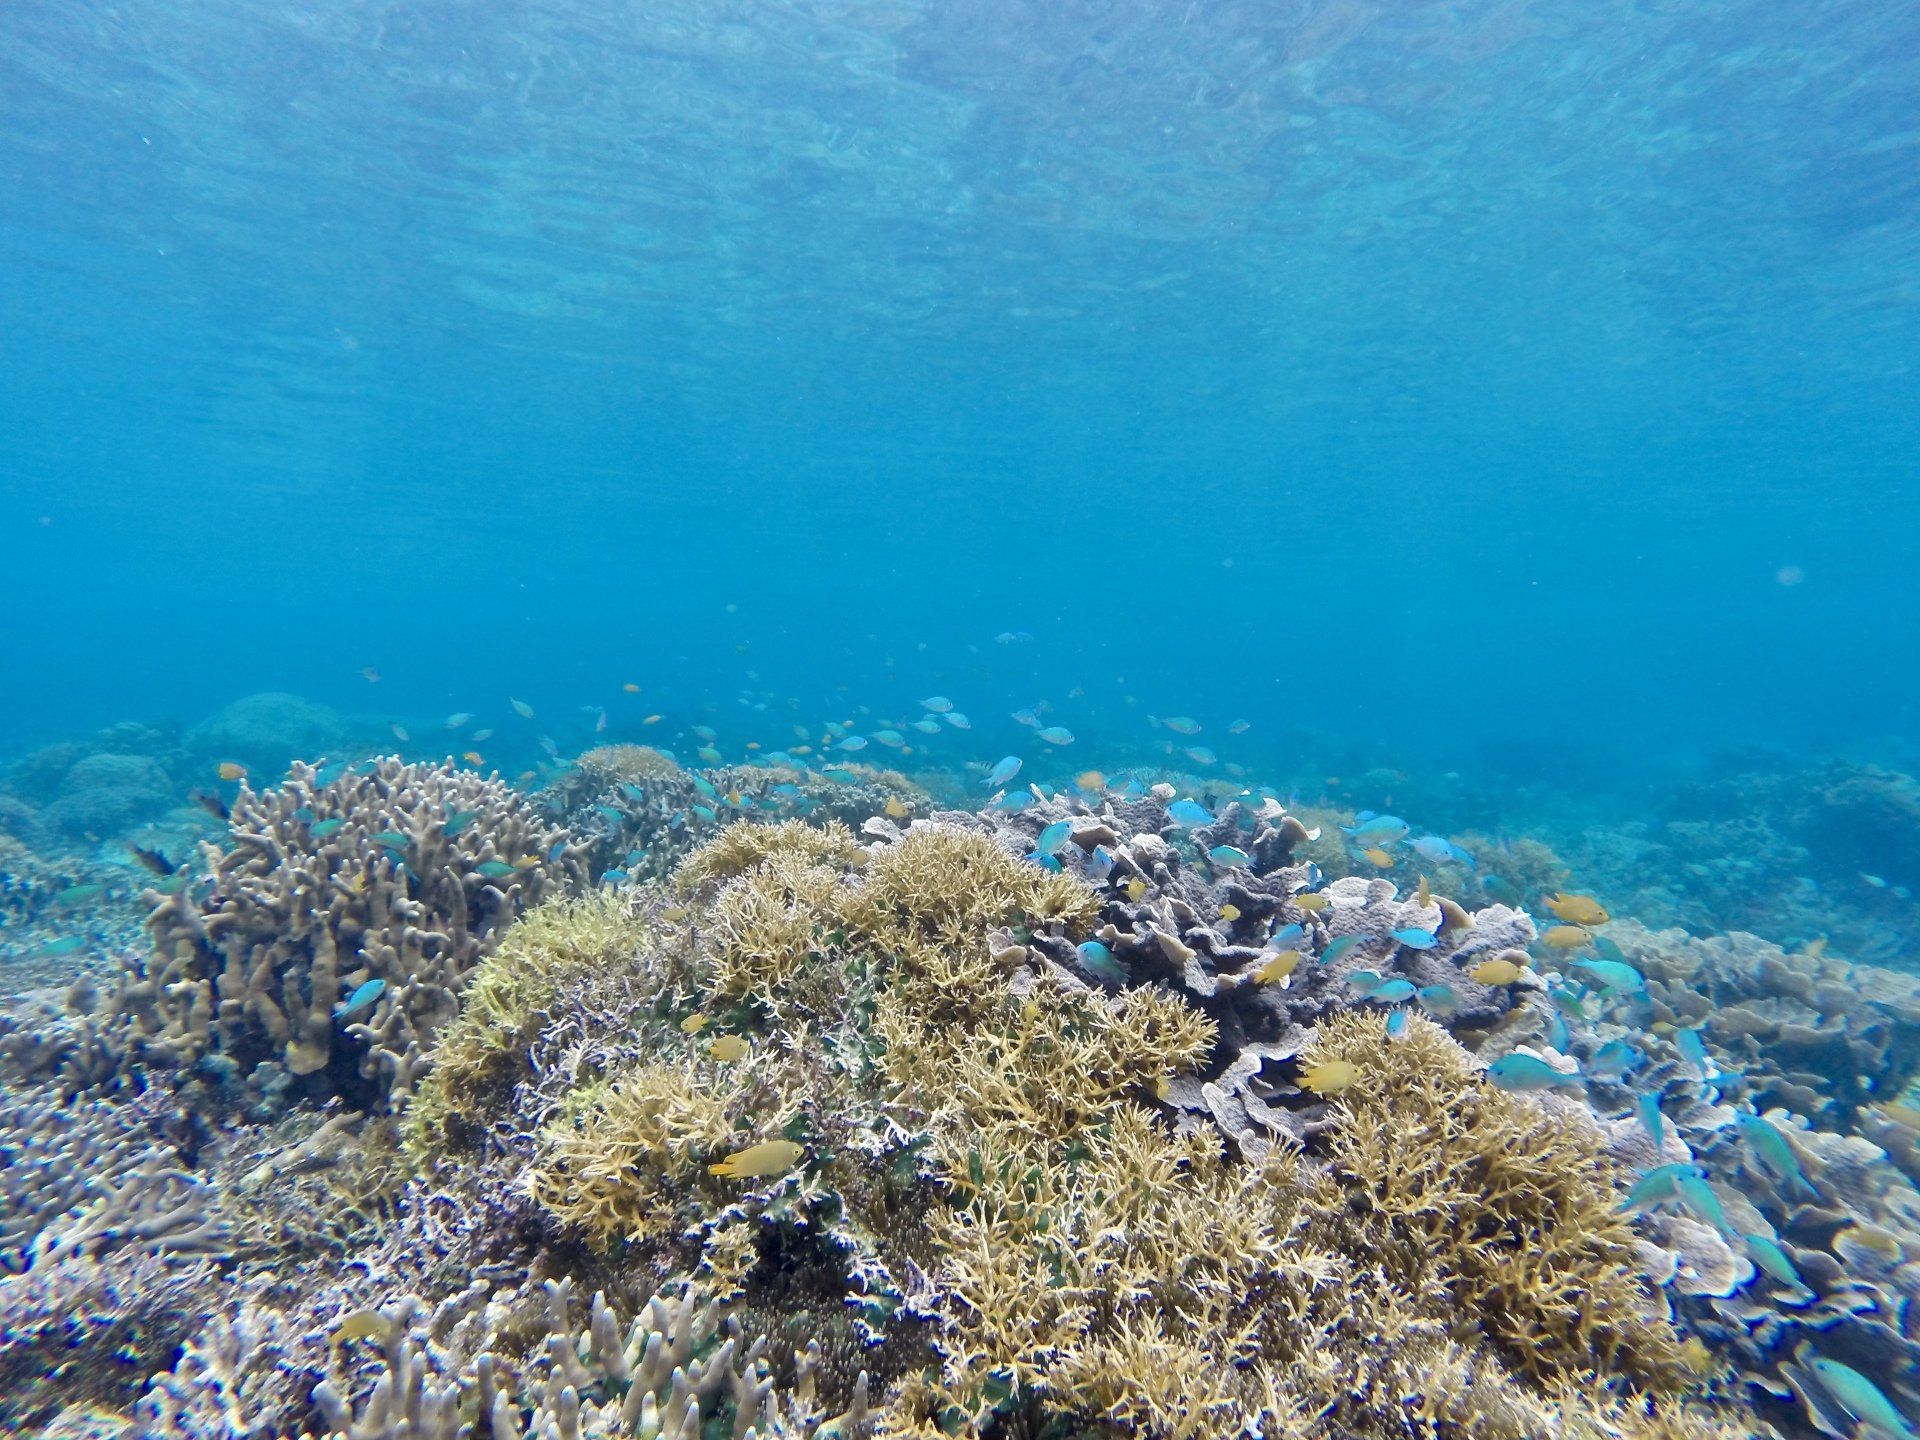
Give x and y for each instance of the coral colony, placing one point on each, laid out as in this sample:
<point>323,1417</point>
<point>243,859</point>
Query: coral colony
<point>793,1098</point>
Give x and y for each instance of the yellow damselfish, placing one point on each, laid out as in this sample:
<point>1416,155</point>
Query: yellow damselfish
<point>1329,1077</point>
<point>1278,968</point>
<point>757,1162</point>
<point>1496,972</point>
<point>1578,909</point>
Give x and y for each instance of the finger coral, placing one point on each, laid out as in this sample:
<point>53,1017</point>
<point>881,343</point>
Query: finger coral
<point>343,922</point>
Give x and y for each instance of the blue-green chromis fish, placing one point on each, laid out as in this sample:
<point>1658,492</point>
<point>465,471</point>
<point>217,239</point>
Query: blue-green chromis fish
<point>1769,1257</point>
<point>1647,1107</point>
<point>1774,1152</point>
<point>1618,976</point>
<point>1658,1183</point>
<point>1528,1072</point>
<point>1698,1196</point>
<point>1859,1396</point>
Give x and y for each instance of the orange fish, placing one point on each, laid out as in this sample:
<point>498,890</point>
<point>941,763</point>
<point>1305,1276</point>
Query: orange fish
<point>631,688</point>
<point>1566,937</point>
<point>1378,857</point>
<point>229,770</point>
<point>1090,780</point>
<point>472,757</point>
<point>652,720</point>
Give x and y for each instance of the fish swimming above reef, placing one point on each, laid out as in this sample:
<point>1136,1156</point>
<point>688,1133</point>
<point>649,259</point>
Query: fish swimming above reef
<point>521,708</point>
<point>1228,855</point>
<point>1440,851</point>
<point>938,704</point>
<point>1415,938</point>
<point>1004,770</point>
<point>363,996</point>
<point>759,1162</point>
<point>1182,724</point>
<point>1658,1184</point>
<point>1618,977</point>
<point>1520,1071</point>
<point>1052,838</point>
<point>1774,1152</point>
<point>1578,909</point>
<point>1497,971</point>
<point>1329,1077</point>
<point>1189,813</point>
<point>1370,831</point>
<point>1858,1396</point>
<point>1099,961</point>
<point>1056,735</point>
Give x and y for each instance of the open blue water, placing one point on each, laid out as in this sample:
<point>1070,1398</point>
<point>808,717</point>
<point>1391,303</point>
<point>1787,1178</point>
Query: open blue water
<point>1430,374</point>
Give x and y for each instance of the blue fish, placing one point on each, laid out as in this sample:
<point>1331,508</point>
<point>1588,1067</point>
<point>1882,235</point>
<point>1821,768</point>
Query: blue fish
<point>323,828</point>
<point>1337,947</point>
<point>1100,863</point>
<point>1558,1036</point>
<point>1433,848</point>
<point>1001,773</point>
<point>1047,862</point>
<point>1098,960</point>
<point>1694,1051</point>
<point>1769,1257</point>
<point>1416,939</point>
<point>1228,855</point>
<point>1617,976</point>
<point>363,996</point>
<point>1365,981</point>
<point>459,820</point>
<point>1773,1151</point>
<point>1658,1184</point>
<point>557,853</point>
<point>1393,991</point>
<point>609,814</point>
<point>1698,1196</point>
<point>1285,933</point>
<point>1647,1107</point>
<point>707,813</point>
<point>1381,830</point>
<point>1608,950</point>
<point>1859,1397</point>
<point>1052,838</point>
<point>1615,1060</point>
<point>1189,813</point>
<point>1527,1072</point>
<point>1440,999</point>
<point>854,742</point>
<point>706,787</point>
<point>1013,802</point>
<point>1396,1024</point>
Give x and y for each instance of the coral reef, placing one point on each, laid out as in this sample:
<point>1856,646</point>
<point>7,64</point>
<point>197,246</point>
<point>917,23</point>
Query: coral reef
<point>341,925</point>
<point>884,1084</point>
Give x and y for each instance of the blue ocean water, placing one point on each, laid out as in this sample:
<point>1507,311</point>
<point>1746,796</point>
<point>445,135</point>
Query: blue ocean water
<point>1441,374</point>
<point>1421,495</point>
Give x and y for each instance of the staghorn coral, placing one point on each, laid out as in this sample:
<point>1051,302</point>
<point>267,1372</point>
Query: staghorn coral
<point>398,874</point>
<point>481,1055</point>
<point>1516,1206</point>
<point>982,1147</point>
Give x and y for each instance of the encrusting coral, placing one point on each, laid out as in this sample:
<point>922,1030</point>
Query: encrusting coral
<point>342,924</point>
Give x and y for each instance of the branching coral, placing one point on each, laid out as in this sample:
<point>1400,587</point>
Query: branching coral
<point>343,923</point>
<point>1514,1210</point>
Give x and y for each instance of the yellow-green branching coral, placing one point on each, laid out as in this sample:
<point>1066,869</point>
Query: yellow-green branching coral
<point>482,1053</point>
<point>1514,1209</point>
